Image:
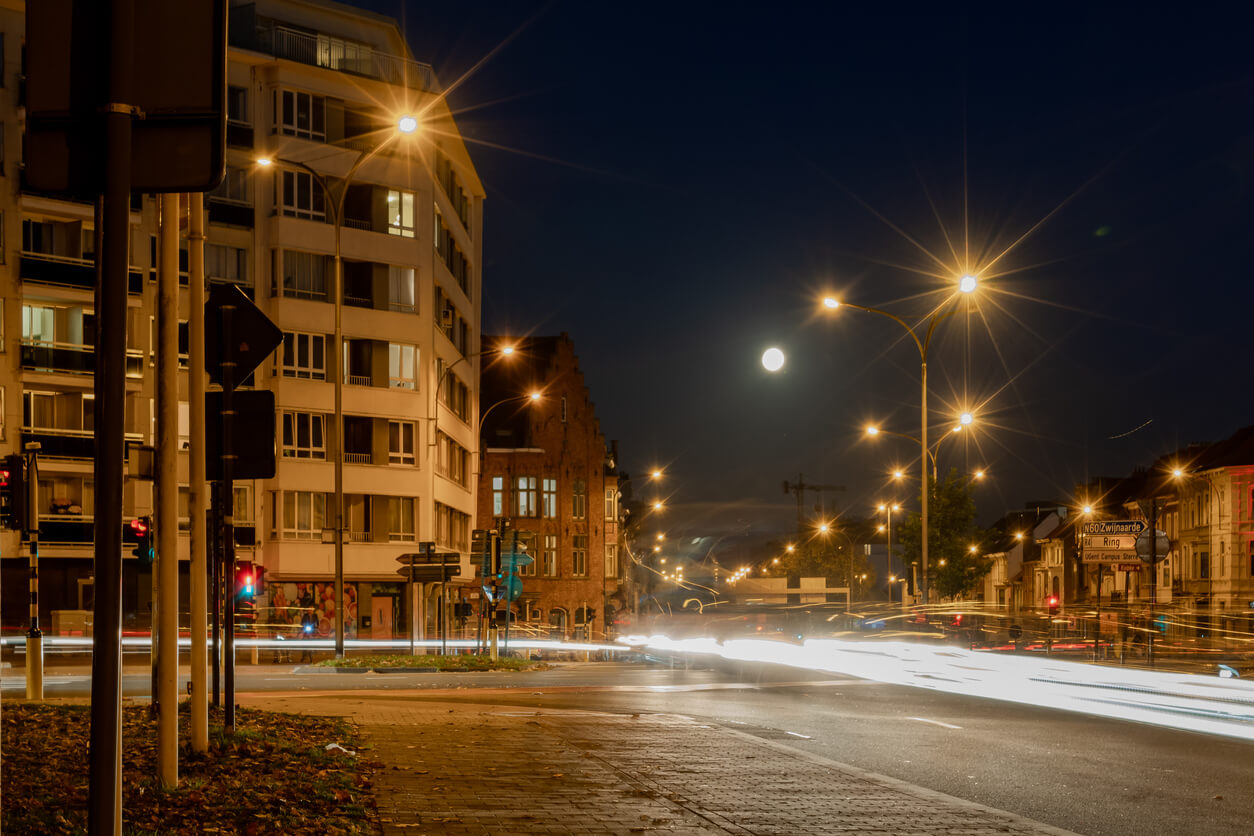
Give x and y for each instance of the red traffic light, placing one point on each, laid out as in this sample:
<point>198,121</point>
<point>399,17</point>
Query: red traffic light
<point>4,478</point>
<point>1053,602</point>
<point>140,526</point>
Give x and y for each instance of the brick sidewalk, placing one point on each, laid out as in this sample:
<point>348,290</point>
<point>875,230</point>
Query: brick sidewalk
<point>475,769</point>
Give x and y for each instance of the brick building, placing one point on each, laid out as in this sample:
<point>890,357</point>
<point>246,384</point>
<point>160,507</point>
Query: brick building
<point>547,473</point>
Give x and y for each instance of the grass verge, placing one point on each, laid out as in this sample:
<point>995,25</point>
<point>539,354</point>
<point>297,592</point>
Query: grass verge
<point>274,775</point>
<point>444,663</point>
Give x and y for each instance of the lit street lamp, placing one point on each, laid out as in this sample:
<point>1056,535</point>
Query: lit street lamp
<point>967,284</point>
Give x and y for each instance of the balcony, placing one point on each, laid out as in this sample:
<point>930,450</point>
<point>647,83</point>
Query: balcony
<point>64,271</point>
<point>71,358</point>
<point>39,356</point>
<point>230,212</point>
<point>239,135</point>
<point>67,529</point>
<point>65,444</point>
<point>350,57</point>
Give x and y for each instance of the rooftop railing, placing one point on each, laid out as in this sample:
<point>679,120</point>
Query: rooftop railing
<point>320,50</point>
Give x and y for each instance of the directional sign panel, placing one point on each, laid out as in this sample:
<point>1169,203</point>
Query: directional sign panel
<point>1109,557</point>
<point>253,335</point>
<point>1115,528</point>
<point>1115,543</point>
<point>430,574</point>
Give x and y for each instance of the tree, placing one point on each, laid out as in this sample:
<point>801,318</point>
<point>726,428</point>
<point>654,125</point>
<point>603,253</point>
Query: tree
<point>834,556</point>
<point>953,569</point>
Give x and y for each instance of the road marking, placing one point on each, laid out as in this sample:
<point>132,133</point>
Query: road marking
<point>802,736</point>
<point>935,722</point>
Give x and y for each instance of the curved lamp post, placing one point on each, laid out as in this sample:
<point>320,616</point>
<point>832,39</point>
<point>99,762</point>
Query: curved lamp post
<point>967,284</point>
<point>405,125</point>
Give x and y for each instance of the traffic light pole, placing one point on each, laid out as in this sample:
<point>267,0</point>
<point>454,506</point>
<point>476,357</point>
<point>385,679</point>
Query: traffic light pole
<point>30,523</point>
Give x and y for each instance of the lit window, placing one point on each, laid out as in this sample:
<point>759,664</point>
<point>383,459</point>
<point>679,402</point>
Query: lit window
<point>401,213</point>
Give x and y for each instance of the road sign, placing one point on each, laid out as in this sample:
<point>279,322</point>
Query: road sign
<point>178,141</point>
<point>253,335</point>
<point>1109,528</point>
<point>426,547</point>
<point>430,574</point>
<point>252,435</point>
<point>429,559</point>
<point>511,560</point>
<point>1106,558</point>
<point>1162,546</point>
<point>1109,543</point>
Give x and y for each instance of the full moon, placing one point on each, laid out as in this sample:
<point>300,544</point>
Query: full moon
<point>773,359</point>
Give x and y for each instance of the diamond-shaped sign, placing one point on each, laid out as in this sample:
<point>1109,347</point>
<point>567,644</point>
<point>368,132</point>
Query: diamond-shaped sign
<point>253,335</point>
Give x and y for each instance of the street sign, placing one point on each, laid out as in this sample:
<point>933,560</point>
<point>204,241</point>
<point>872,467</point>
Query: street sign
<point>1110,543</point>
<point>511,560</point>
<point>1107,558</point>
<point>178,141</point>
<point>1162,546</point>
<point>430,574</point>
<point>252,435</point>
<point>253,335</point>
<point>426,547</point>
<point>1115,528</point>
<point>429,559</point>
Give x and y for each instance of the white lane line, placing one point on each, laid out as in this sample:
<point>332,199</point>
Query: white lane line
<point>806,736</point>
<point>935,722</point>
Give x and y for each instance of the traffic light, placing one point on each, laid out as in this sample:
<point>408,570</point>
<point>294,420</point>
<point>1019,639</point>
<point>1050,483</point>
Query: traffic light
<point>13,492</point>
<point>141,527</point>
<point>1052,601</point>
<point>245,581</point>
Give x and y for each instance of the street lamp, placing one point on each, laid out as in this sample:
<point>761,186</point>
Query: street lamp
<point>967,284</point>
<point>964,420</point>
<point>405,125</point>
<point>888,508</point>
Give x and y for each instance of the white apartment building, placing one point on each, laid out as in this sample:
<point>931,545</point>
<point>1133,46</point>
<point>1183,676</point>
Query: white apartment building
<point>316,88</point>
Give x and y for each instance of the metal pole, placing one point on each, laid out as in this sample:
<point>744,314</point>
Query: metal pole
<point>923,585</point>
<point>34,637</point>
<point>228,520</point>
<point>167,563</point>
<point>105,751</point>
<point>1153,568</point>
<point>198,498</point>
<point>1097,629</point>
<point>215,587</point>
<point>443,608</point>
<point>337,513</point>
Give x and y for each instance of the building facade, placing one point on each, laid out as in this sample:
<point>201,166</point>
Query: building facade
<point>547,474</point>
<point>315,89</point>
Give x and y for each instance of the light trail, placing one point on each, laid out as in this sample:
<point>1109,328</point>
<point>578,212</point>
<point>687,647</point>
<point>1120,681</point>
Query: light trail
<point>1191,702</point>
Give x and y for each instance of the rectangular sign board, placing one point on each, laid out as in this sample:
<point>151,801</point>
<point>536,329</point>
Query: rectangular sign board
<point>1109,543</point>
<point>430,574</point>
<point>1107,558</point>
<point>1113,528</point>
<point>427,559</point>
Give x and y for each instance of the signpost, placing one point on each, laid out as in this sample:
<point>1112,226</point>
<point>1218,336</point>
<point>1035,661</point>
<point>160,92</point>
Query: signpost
<point>1109,542</point>
<point>242,338</point>
<point>426,566</point>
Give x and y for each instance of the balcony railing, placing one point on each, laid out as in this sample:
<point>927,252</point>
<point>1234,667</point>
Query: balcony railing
<point>69,529</point>
<point>357,458</point>
<point>359,380</point>
<point>359,536</point>
<point>70,358</point>
<point>345,56</point>
<point>66,271</point>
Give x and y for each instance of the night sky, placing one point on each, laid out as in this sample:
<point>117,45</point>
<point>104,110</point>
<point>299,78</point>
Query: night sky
<point>678,185</point>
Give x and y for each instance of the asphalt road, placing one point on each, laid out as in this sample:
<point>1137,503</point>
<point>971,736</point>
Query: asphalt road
<point>1086,774</point>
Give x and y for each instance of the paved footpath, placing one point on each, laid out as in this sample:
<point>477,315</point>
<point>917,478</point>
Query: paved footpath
<point>461,768</point>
